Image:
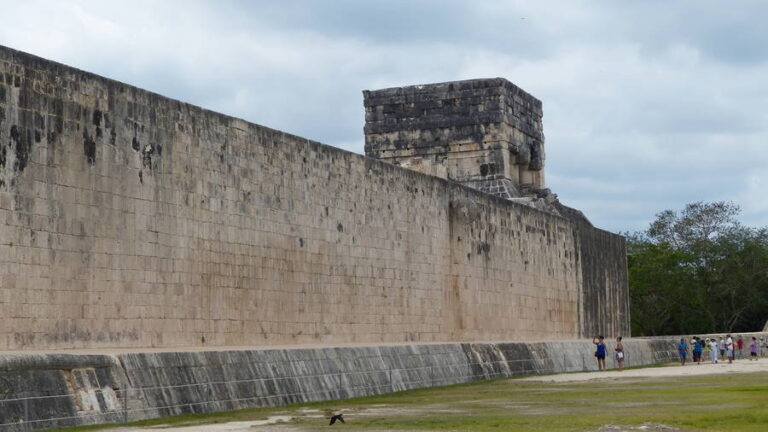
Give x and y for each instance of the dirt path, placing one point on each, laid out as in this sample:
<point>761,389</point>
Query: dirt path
<point>690,369</point>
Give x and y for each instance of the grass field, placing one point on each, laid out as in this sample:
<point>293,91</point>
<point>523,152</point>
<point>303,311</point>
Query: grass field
<point>725,402</point>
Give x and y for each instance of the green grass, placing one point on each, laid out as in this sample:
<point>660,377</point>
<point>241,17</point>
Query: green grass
<point>729,402</point>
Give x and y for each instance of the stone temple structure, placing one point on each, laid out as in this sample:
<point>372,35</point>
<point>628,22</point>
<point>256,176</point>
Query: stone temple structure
<point>128,219</point>
<point>485,133</point>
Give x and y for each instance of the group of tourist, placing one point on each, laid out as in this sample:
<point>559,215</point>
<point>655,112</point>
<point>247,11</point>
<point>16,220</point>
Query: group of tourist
<point>724,348</point>
<point>717,350</point>
<point>600,352</point>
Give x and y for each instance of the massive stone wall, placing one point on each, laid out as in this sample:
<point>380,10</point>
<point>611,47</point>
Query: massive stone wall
<point>130,219</point>
<point>603,262</point>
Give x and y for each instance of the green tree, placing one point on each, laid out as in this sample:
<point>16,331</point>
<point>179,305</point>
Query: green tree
<point>658,274</point>
<point>698,271</point>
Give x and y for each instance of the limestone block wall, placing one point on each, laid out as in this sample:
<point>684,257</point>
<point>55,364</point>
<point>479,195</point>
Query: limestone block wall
<point>129,219</point>
<point>513,268</point>
<point>603,260</point>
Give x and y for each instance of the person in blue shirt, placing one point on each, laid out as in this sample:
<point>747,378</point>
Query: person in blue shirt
<point>698,347</point>
<point>600,352</point>
<point>682,349</point>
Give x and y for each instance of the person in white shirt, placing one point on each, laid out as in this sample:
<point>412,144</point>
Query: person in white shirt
<point>713,350</point>
<point>729,348</point>
<point>721,346</point>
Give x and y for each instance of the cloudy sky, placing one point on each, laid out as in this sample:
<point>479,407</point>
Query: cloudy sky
<point>648,105</point>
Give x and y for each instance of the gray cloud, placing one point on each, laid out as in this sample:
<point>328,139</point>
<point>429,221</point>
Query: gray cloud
<point>648,105</point>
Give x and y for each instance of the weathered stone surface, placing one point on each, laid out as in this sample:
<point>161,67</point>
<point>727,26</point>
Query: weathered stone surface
<point>128,219</point>
<point>603,263</point>
<point>70,390</point>
<point>486,133</point>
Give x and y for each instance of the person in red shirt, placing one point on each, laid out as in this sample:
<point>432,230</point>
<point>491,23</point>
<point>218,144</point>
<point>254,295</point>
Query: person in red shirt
<point>740,347</point>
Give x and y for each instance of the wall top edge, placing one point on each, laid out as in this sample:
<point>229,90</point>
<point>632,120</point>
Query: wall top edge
<point>95,357</point>
<point>453,86</point>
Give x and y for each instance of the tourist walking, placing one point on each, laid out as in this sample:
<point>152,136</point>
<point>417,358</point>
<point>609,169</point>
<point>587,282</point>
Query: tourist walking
<point>740,347</point>
<point>682,350</point>
<point>600,352</point>
<point>619,353</point>
<point>721,347</point>
<point>698,347</point>
<point>713,350</point>
<point>705,345</point>
<point>753,349</point>
<point>729,348</point>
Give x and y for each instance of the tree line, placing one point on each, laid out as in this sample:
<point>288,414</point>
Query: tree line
<point>698,271</point>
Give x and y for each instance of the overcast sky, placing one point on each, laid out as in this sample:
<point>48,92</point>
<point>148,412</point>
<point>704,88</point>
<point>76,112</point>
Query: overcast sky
<point>648,105</point>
